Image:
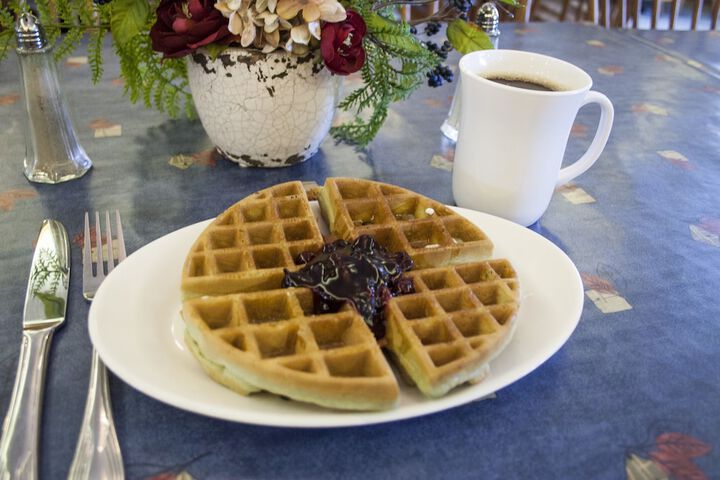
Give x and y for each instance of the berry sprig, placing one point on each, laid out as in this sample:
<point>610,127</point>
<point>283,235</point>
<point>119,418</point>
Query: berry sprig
<point>441,71</point>
<point>431,28</point>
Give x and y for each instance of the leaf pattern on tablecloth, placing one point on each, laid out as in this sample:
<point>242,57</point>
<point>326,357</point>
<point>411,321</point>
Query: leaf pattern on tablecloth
<point>674,452</point>
<point>666,40</point>
<point>434,103</point>
<point>184,475</point>
<point>118,82</point>
<point>669,455</point>
<point>184,161</point>
<point>574,194</point>
<point>9,197</point>
<point>664,57</point>
<point>638,468</point>
<point>444,160</point>
<point>707,231</point>
<point>676,158</point>
<point>105,128</point>
<point>9,99</point>
<point>611,70</point>
<point>524,31</point>
<point>596,43</point>
<point>649,108</point>
<point>76,62</point>
<point>603,294</point>
<point>149,471</point>
<point>711,89</point>
<point>79,240</point>
<point>441,163</point>
<point>579,130</point>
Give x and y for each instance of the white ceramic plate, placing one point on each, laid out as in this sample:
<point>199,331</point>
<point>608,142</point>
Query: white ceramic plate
<point>137,330</point>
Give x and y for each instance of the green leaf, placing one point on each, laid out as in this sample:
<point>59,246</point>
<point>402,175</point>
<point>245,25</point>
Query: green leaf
<point>466,38</point>
<point>128,19</point>
<point>215,49</point>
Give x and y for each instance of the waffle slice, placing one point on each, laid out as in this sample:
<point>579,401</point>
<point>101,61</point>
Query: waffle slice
<point>272,341</point>
<point>458,320</point>
<point>401,220</point>
<point>248,245</point>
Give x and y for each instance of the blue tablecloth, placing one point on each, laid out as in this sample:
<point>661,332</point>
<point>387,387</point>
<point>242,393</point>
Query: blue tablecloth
<point>636,387</point>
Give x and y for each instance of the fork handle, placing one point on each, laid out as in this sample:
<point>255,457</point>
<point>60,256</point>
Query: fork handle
<point>97,453</point>
<point>19,442</point>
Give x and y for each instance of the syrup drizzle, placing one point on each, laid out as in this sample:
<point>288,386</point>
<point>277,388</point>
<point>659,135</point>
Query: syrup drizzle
<point>362,272</point>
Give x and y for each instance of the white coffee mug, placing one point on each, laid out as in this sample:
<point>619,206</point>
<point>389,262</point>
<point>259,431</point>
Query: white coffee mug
<point>512,140</point>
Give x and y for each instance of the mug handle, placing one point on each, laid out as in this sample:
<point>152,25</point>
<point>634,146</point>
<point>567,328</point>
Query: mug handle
<point>607,113</point>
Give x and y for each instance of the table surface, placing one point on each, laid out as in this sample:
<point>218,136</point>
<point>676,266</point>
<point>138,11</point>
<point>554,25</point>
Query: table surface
<point>636,386</point>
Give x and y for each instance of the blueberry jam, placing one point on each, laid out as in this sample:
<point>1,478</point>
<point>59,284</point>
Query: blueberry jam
<point>362,272</point>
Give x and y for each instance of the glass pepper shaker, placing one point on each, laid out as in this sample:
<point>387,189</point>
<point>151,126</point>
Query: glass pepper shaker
<point>52,151</point>
<point>488,20</point>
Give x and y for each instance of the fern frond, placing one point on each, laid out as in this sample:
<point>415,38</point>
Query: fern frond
<point>159,83</point>
<point>69,43</point>
<point>396,64</point>
<point>95,51</point>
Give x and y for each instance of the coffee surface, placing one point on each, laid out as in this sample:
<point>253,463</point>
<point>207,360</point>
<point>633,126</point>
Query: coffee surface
<point>524,83</point>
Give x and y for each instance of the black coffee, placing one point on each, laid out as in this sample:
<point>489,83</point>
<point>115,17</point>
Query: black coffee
<point>523,83</point>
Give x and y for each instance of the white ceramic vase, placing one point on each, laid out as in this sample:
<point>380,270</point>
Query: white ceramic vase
<point>263,110</point>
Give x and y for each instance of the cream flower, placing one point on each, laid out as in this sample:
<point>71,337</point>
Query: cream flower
<point>233,10</point>
<point>301,33</point>
<point>241,19</point>
<point>312,10</point>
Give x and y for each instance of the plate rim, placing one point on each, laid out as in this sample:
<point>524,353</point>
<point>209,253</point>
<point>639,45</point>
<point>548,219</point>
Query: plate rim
<point>328,418</point>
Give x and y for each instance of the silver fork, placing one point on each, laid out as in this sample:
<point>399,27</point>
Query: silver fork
<point>97,453</point>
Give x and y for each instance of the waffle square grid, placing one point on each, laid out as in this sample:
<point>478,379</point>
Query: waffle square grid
<point>254,240</point>
<point>400,220</point>
<point>279,327</point>
<point>458,314</point>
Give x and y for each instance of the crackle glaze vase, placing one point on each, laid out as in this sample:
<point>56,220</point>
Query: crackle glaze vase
<point>263,110</point>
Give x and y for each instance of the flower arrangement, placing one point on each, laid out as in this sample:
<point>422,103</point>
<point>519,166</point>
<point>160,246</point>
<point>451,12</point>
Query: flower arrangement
<point>151,37</point>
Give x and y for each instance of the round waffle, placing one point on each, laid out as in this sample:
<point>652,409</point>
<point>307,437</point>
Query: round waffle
<point>250,334</point>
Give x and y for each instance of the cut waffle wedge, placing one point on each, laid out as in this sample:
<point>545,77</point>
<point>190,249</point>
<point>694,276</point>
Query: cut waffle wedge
<point>250,334</point>
<point>401,220</point>
<point>247,247</point>
<point>271,341</point>
<point>458,320</point>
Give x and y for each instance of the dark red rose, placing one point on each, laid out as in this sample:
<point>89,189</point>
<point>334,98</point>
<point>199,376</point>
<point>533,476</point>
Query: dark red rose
<point>184,26</point>
<point>341,44</point>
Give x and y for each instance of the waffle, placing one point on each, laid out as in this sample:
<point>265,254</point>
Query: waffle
<point>430,232</point>
<point>247,247</point>
<point>272,341</point>
<point>250,335</point>
<point>458,320</point>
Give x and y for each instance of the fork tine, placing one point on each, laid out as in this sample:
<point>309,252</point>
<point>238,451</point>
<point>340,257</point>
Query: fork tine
<point>120,239</point>
<point>87,251</point>
<point>109,242</point>
<point>98,247</point>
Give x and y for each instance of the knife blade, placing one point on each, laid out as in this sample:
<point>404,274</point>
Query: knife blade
<point>44,312</point>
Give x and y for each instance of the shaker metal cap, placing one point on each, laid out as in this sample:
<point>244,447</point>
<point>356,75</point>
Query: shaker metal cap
<point>29,33</point>
<point>488,18</point>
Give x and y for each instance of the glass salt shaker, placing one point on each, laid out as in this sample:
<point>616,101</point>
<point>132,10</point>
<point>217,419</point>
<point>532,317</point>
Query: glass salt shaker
<point>488,20</point>
<point>52,151</point>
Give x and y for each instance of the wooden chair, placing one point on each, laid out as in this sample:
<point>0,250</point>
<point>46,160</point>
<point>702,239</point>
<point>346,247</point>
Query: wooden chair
<point>626,13</point>
<point>417,12</point>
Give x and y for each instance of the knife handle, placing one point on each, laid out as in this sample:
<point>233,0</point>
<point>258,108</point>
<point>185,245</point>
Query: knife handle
<point>19,442</point>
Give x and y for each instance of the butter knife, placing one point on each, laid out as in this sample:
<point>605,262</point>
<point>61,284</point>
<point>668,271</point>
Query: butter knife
<point>45,305</point>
